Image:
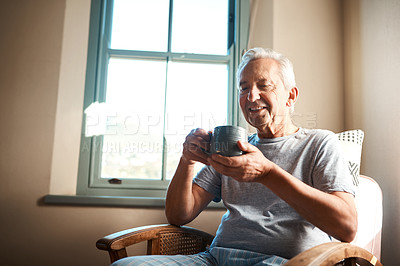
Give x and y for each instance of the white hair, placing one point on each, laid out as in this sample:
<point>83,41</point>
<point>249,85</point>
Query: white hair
<point>285,66</point>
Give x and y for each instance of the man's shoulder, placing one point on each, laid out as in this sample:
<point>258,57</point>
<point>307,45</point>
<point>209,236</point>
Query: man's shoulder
<point>317,133</point>
<point>316,137</point>
<point>322,139</point>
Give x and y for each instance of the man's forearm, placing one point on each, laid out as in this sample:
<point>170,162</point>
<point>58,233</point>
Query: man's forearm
<point>179,200</point>
<point>333,213</point>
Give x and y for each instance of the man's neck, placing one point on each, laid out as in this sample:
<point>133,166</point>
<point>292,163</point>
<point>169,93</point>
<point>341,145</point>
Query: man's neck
<point>278,131</point>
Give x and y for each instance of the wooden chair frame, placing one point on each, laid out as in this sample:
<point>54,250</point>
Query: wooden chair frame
<point>167,239</point>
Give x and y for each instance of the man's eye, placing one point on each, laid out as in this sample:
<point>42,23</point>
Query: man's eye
<point>243,89</point>
<point>265,86</point>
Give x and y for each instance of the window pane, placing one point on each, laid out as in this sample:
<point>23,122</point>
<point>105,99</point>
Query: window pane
<point>133,143</point>
<point>197,96</point>
<point>200,26</point>
<point>140,25</point>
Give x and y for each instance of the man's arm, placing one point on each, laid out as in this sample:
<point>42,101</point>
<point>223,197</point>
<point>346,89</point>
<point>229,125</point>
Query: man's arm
<point>186,200</point>
<point>334,213</point>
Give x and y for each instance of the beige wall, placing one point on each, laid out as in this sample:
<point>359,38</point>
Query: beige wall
<point>36,78</point>
<point>372,41</point>
<point>309,32</point>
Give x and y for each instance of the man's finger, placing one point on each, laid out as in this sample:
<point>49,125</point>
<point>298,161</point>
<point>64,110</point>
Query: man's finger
<point>194,153</point>
<point>201,133</point>
<point>220,167</point>
<point>234,161</point>
<point>200,138</point>
<point>245,146</point>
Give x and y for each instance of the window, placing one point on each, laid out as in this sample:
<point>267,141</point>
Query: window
<point>156,69</point>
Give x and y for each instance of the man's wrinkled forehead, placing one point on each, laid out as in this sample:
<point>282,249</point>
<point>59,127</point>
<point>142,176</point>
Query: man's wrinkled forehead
<point>260,70</point>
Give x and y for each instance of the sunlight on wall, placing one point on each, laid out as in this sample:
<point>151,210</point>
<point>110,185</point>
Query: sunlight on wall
<point>64,168</point>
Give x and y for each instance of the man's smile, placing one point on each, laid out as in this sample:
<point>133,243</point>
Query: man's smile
<point>255,109</point>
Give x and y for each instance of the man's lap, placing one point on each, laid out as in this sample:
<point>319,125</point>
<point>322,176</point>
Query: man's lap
<point>214,256</point>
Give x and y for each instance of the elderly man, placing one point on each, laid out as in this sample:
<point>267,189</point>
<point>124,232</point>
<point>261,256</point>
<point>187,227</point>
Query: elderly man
<point>290,191</point>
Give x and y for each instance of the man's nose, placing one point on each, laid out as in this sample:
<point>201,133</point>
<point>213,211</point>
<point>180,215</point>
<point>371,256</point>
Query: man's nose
<point>254,94</point>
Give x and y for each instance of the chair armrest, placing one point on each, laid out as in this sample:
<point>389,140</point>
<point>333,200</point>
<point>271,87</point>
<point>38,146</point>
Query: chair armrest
<point>332,253</point>
<point>131,236</point>
<point>116,243</point>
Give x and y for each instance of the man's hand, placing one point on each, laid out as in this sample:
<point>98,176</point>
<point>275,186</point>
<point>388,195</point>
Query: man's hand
<point>252,166</point>
<point>194,146</point>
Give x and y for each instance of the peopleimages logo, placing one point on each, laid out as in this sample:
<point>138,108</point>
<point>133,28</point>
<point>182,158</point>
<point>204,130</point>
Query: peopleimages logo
<point>145,124</point>
<point>102,119</point>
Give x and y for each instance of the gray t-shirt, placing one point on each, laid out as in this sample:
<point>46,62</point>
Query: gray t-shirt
<point>258,220</point>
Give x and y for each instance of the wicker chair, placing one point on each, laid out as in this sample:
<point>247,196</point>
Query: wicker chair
<point>171,240</point>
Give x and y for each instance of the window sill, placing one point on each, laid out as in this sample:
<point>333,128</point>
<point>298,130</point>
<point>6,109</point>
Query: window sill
<point>112,201</point>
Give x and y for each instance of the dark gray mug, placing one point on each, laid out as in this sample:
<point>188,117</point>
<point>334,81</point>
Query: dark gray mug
<point>224,140</point>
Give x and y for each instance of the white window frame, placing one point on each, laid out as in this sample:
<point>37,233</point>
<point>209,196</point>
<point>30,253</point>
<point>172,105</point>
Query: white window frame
<point>147,192</point>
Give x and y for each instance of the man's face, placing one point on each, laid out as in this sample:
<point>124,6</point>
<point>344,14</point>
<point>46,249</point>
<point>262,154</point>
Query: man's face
<point>263,97</point>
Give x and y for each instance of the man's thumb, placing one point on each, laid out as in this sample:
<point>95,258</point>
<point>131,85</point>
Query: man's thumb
<point>245,146</point>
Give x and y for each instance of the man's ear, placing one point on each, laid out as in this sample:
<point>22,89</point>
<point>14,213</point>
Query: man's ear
<point>293,94</point>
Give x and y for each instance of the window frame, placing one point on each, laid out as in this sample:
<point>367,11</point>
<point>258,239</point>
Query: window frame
<point>98,54</point>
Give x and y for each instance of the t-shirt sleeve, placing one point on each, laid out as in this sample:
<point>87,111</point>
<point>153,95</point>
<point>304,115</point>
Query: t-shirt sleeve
<point>330,172</point>
<point>210,180</point>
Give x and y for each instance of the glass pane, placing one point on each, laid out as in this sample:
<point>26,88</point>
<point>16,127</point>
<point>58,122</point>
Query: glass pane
<point>200,26</point>
<point>133,143</point>
<point>197,96</point>
<point>140,25</point>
